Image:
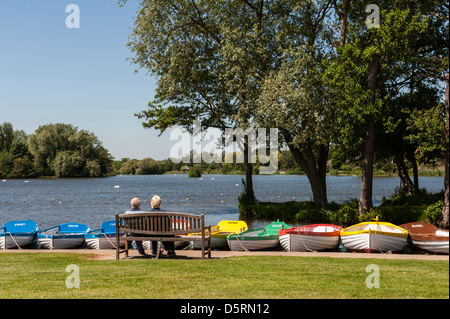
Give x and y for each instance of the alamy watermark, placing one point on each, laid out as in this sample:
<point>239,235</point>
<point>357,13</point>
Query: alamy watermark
<point>73,279</point>
<point>373,280</point>
<point>212,145</point>
<point>373,19</point>
<point>73,19</point>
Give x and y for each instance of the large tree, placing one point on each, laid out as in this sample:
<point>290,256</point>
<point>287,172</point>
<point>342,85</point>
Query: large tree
<point>212,59</point>
<point>372,62</point>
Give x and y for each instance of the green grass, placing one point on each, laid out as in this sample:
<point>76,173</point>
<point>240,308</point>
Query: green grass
<point>36,275</point>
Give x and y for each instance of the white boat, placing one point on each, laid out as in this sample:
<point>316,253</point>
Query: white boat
<point>103,238</point>
<point>374,236</point>
<point>266,238</point>
<point>64,236</point>
<point>18,234</point>
<point>428,237</point>
<point>314,237</point>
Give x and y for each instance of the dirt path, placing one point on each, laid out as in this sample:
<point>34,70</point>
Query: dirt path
<point>195,254</point>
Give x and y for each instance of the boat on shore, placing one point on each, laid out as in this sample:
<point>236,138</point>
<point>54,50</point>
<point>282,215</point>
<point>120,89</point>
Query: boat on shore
<point>104,237</point>
<point>64,236</point>
<point>427,237</point>
<point>316,237</point>
<point>18,234</point>
<point>374,236</point>
<point>266,238</point>
<point>220,232</point>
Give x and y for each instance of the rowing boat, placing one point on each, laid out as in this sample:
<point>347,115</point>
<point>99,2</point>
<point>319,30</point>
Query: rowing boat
<point>18,234</point>
<point>374,236</point>
<point>266,238</point>
<point>314,237</point>
<point>428,237</point>
<point>104,237</point>
<point>64,236</point>
<point>220,232</point>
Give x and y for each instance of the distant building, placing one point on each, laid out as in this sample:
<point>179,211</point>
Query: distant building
<point>185,169</point>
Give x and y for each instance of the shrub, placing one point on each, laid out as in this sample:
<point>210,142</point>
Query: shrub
<point>434,212</point>
<point>196,171</point>
<point>346,215</point>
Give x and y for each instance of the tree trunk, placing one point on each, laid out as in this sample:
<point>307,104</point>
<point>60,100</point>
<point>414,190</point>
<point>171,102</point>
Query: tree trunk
<point>250,195</point>
<point>413,161</point>
<point>445,208</point>
<point>403,173</point>
<point>365,200</point>
<point>316,173</point>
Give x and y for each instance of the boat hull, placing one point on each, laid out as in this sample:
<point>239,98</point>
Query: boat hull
<point>305,243</point>
<point>217,242</point>
<point>66,241</point>
<point>101,241</point>
<point>253,243</point>
<point>428,237</point>
<point>439,247</point>
<point>16,241</point>
<point>374,241</point>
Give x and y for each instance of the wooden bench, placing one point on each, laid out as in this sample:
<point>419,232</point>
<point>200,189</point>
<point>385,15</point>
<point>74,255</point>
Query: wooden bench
<point>153,225</point>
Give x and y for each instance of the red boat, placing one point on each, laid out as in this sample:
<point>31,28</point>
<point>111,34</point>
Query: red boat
<point>310,237</point>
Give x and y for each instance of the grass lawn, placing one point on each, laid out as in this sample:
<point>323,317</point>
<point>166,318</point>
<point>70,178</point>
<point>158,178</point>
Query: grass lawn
<point>34,275</point>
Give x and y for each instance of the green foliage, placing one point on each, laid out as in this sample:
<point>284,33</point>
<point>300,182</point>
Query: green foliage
<point>434,212</point>
<point>346,215</point>
<point>62,150</point>
<point>196,171</point>
<point>53,150</point>
<point>403,207</point>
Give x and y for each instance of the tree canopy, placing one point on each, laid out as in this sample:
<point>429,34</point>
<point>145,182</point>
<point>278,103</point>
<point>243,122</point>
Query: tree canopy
<point>59,150</point>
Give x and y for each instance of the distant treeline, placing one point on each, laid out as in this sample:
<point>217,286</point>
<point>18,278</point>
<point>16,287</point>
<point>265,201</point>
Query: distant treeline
<point>53,150</point>
<point>338,164</point>
<point>61,150</point>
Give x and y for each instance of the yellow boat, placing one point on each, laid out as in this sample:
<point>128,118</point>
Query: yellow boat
<point>374,236</point>
<point>220,232</point>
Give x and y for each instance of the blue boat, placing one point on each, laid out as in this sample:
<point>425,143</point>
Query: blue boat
<point>103,238</point>
<point>18,234</point>
<point>64,236</point>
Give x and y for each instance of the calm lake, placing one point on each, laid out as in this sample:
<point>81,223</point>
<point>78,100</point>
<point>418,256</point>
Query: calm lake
<point>50,202</point>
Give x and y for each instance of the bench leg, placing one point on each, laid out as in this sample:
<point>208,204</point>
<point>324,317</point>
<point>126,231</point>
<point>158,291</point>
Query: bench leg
<point>158,248</point>
<point>209,247</point>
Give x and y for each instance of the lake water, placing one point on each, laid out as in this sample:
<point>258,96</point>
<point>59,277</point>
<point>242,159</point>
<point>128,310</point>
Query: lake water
<point>50,202</point>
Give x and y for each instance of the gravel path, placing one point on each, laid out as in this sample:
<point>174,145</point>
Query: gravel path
<point>218,254</point>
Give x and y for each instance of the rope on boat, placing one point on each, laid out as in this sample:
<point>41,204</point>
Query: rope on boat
<point>245,249</point>
<point>14,240</point>
<point>376,236</point>
<point>108,240</point>
<point>298,232</point>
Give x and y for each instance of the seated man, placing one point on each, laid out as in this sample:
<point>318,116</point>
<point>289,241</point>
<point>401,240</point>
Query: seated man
<point>136,208</point>
<point>168,245</point>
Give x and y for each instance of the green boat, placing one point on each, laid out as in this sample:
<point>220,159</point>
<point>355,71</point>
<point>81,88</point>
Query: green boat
<point>259,239</point>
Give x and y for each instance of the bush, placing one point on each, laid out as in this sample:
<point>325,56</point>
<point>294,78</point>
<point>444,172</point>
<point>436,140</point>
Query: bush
<point>346,215</point>
<point>434,212</point>
<point>196,171</point>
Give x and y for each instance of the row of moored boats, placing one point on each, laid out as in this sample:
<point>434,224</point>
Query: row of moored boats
<point>374,236</point>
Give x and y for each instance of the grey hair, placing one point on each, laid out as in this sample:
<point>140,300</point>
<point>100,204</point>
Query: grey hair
<point>135,202</point>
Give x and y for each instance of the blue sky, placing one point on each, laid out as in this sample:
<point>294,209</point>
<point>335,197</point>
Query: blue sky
<point>52,74</point>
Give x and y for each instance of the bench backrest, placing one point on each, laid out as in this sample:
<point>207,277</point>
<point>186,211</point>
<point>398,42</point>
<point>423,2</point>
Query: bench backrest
<point>160,223</point>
